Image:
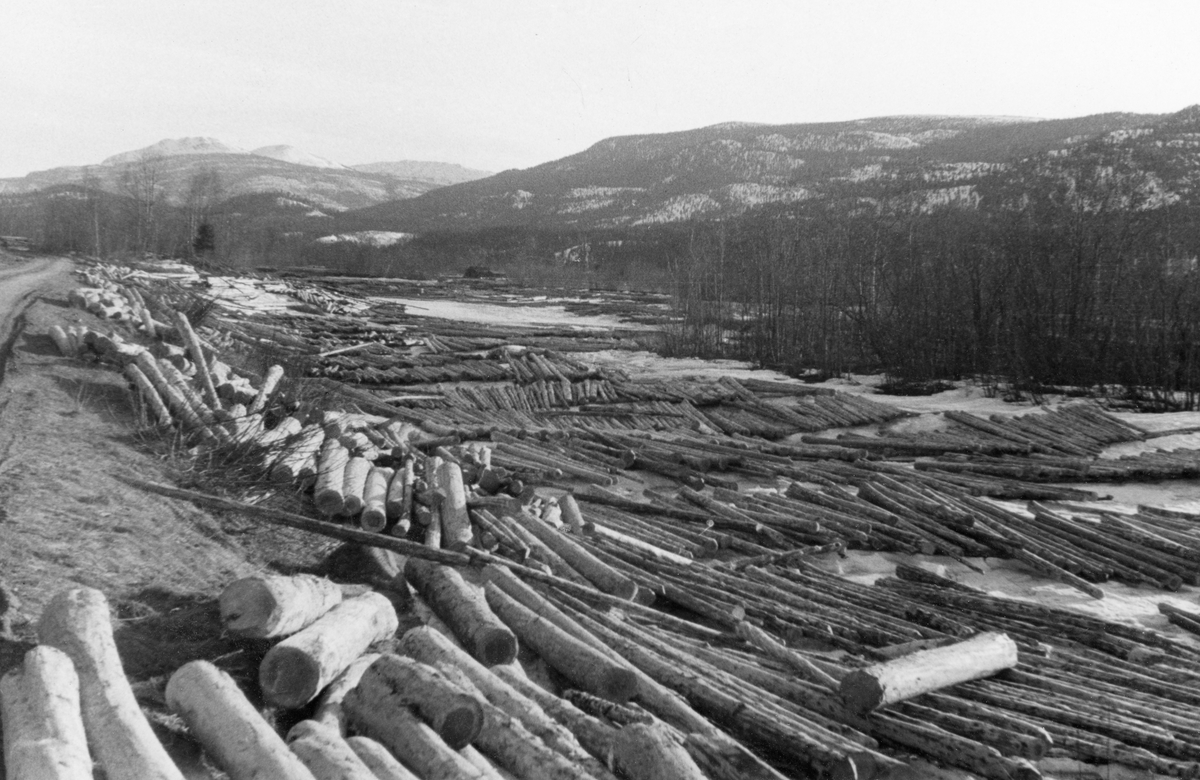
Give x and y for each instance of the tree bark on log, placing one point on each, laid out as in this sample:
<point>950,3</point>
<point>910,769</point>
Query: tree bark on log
<point>593,734</point>
<point>456,524</point>
<point>592,568</point>
<point>646,751</point>
<point>329,493</point>
<point>453,713</point>
<point>203,375</point>
<point>431,647</point>
<point>44,736</point>
<point>294,671</point>
<point>329,710</point>
<point>326,754</point>
<point>270,382</point>
<point>374,512</point>
<point>270,605</point>
<point>864,690</point>
<point>379,760</point>
<point>300,462</point>
<point>354,484</point>
<point>146,390</point>
<point>399,498</point>
<point>584,666</point>
<point>465,610</point>
<point>374,713</point>
<point>229,727</point>
<point>77,622</point>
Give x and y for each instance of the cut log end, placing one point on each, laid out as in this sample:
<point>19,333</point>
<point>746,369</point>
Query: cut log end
<point>496,646</point>
<point>289,677</point>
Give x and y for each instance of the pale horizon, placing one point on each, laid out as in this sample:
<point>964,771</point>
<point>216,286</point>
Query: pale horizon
<point>499,86</point>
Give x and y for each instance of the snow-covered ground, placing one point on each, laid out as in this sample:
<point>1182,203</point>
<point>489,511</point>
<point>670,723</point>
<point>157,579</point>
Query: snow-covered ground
<point>500,314</point>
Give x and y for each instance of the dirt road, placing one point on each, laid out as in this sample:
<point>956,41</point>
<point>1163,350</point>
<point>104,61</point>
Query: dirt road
<point>20,282</point>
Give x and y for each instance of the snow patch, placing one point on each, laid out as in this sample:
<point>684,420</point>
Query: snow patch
<point>368,237</point>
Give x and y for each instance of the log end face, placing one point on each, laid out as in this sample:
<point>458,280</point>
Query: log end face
<point>496,646</point>
<point>461,726</point>
<point>289,677</point>
<point>246,606</point>
<point>861,692</point>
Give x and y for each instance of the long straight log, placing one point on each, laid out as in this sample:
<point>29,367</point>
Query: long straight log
<point>593,734</point>
<point>592,568</point>
<point>465,610</point>
<point>229,727</point>
<point>354,485</point>
<point>294,671</point>
<point>43,730</point>
<point>196,351</point>
<point>329,494</point>
<point>452,712</point>
<point>877,686</point>
<point>456,524</point>
<point>270,382</point>
<point>77,622</point>
<point>270,605</point>
<point>645,751</point>
<point>374,713</point>
<point>329,710</point>
<point>577,661</point>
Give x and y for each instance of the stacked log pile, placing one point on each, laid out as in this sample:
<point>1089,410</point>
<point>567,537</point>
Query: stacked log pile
<point>673,622</point>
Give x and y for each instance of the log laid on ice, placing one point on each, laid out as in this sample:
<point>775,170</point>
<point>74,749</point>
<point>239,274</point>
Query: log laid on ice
<point>77,622</point>
<point>294,671</point>
<point>578,662</point>
<point>270,605</point>
<point>231,730</point>
<point>465,610</point>
<point>379,760</point>
<point>325,753</point>
<point>453,713</point>
<point>648,751</point>
<point>876,686</point>
<point>43,730</point>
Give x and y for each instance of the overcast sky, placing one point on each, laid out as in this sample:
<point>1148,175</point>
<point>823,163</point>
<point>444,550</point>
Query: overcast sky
<point>498,84</point>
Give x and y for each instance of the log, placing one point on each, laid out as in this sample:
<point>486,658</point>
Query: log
<point>196,351</point>
<point>453,713</point>
<point>300,462</point>
<point>354,485</point>
<point>584,666</point>
<point>648,751</point>
<point>329,710</point>
<point>44,736</point>
<point>433,648</point>
<point>867,689</point>
<point>294,671</point>
<point>456,524</point>
<point>329,493</point>
<point>399,497</point>
<point>77,622</point>
<point>326,754</point>
<point>465,610</point>
<point>270,382</point>
<point>374,713</point>
<point>231,730</point>
<point>379,760</point>
<point>148,394</point>
<point>593,734</point>
<point>374,515</point>
<point>600,574</point>
<point>269,605</point>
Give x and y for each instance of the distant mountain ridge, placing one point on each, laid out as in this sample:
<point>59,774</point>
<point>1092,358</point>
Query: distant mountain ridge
<point>173,164</point>
<point>419,170</point>
<point>728,169</point>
